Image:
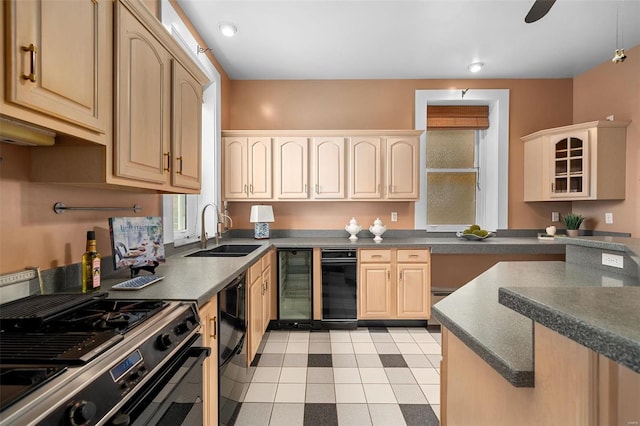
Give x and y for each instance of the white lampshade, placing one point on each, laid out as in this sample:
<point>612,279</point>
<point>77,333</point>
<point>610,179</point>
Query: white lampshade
<point>261,214</point>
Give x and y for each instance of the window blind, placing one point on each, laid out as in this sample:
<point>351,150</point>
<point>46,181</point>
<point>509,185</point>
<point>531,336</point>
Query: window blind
<point>457,117</point>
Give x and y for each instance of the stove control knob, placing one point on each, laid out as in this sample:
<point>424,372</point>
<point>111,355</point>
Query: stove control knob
<point>185,326</point>
<point>82,412</point>
<point>164,341</point>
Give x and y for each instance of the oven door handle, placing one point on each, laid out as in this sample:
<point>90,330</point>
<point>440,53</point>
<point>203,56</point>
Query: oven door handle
<point>234,352</point>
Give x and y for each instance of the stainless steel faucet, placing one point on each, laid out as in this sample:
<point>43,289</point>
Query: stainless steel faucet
<point>219,228</point>
<point>203,233</point>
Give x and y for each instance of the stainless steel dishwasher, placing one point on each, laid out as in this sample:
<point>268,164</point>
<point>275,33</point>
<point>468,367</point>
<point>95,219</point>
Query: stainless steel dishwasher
<point>339,287</point>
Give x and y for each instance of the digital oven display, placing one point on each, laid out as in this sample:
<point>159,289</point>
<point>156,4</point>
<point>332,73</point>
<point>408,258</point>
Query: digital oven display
<point>123,368</point>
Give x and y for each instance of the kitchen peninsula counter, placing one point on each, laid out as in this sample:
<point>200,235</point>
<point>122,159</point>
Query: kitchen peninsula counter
<point>200,278</point>
<point>545,342</point>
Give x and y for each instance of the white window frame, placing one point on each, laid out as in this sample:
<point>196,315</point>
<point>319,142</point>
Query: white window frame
<point>493,155</point>
<point>211,137</point>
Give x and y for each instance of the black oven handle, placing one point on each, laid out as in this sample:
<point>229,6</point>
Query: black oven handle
<point>141,399</point>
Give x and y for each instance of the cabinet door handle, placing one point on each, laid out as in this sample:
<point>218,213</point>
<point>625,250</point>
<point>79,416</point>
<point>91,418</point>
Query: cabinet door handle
<point>317,188</point>
<point>245,189</point>
<point>376,255</point>
<point>305,189</point>
<point>32,52</point>
<point>214,327</point>
<point>168,155</point>
<point>390,189</point>
<point>180,168</point>
<point>251,188</point>
<point>552,187</point>
<point>389,275</point>
<point>400,276</point>
<point>413,255</point>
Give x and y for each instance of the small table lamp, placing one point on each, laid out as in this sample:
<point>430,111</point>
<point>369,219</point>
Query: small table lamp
<point>261,216</point>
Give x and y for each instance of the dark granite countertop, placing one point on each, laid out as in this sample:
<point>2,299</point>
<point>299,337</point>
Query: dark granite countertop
<point>200,278</point>
<point>498,334</point>
<point>606,319</point>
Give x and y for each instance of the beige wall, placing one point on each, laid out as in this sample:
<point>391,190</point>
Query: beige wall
<point>613,89</point>
<point>32,234</point>
<point>389,104</point>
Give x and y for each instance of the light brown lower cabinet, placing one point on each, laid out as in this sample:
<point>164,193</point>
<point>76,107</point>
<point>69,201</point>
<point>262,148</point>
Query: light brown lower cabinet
<point>394,284</point>
<point>573,386</point>
<point>209,319</point>
<point>260,282</point>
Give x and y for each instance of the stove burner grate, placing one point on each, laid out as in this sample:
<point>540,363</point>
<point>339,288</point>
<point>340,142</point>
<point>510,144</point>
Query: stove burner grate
<point>54,348</point>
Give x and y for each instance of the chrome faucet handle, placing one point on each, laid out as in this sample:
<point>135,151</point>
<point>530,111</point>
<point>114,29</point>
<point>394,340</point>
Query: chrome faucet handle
<point>224,222</point>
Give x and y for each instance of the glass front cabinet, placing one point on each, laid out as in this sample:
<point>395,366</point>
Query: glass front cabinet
<point>570,167</point>
<point>578,162</point>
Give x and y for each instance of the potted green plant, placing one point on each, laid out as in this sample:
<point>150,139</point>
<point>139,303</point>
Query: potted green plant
<point>572,222</point>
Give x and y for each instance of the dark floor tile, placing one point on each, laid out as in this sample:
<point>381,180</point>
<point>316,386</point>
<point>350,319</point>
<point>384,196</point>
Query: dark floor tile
<point>419,415</point>
<point>234,415</point>
<point>320,360</point>
<point>393,360</point>
<point>378,330</point>
<point>256,360</point>
<point>320,415</point>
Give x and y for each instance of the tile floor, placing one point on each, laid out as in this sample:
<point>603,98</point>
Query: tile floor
<point>370,376</point>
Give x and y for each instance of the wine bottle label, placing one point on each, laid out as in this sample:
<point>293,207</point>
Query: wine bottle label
<point>95,273</point>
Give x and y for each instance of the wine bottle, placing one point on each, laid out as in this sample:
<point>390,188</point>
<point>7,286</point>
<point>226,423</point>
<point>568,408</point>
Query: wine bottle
<point>91,265</point>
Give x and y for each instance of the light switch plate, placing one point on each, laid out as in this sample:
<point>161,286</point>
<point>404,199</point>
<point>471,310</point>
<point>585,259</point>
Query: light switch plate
<point>608,218</point>
<point>394,216</point>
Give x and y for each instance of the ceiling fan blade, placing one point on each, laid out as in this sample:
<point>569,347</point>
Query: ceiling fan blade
<point>538,10</point>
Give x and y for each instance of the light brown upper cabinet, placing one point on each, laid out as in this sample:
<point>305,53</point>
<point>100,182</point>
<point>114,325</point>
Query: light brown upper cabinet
<point>59,65</point>
<point>247,168</point>
<point>292,168</point>
<point>578,162</point>
<point>155,143</point>
<point>186,129</point>
<point>143,102</point>
<point>332,164</point>
<point>327,161</point>
<point>364,167</point>
<point>402,162</point>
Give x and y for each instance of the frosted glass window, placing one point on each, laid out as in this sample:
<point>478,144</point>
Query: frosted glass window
<point>451,198</point>
<point>450,149</point>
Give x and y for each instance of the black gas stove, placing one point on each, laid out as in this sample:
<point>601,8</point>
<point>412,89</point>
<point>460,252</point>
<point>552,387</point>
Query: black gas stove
<point>75,358</point>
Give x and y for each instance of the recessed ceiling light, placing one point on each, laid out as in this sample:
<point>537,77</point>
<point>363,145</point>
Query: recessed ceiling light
<point>227,29</point>
<point>476,66</point>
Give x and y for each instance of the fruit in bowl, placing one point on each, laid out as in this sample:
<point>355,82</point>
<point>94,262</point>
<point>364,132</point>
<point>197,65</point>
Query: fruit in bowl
<point>474,232</point>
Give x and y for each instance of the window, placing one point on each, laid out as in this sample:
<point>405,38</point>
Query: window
<point>452,171</point>
<point>452,177</point>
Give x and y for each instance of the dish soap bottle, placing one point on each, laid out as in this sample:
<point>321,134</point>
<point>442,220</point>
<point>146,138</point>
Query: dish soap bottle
<point>91,265</point>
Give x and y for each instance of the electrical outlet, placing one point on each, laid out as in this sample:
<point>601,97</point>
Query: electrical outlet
<point>613,260</point>
<point>555,217</point>
<point>608,218</point>
<point>394,216</point>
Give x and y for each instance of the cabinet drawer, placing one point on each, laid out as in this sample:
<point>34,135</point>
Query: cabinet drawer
<point>255,271</point>
<point>266,261</point>
<point>412,256</point>
<point>375,255</point>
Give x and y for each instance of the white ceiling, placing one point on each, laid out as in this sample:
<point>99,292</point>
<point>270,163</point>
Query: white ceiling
<point>423,39</point>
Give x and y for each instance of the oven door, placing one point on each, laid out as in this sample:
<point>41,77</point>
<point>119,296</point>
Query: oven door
<point>174,397</point>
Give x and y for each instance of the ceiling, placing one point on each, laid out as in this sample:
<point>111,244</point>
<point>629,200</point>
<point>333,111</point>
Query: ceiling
<point>422,39</point>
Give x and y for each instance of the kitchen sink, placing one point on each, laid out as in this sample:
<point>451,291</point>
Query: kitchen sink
<point>227,250</point>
